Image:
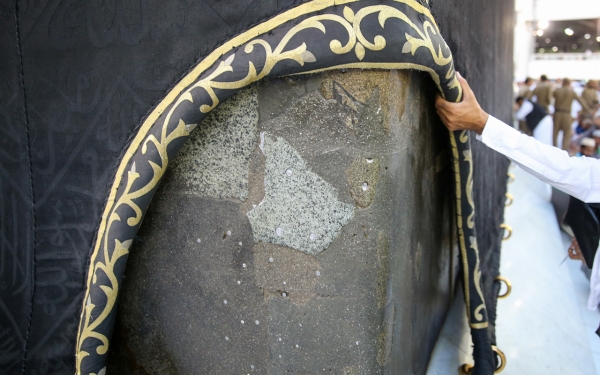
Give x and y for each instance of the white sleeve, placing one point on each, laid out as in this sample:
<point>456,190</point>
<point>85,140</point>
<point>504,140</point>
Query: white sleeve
<point>576,176</point>
<point>525,109</point>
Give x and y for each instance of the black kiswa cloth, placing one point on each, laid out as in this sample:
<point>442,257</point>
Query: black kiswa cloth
<point>583,220</point>
<point>79,181</point>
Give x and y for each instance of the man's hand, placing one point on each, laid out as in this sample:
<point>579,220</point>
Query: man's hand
<point>575,252</point>
<point>464,115</point>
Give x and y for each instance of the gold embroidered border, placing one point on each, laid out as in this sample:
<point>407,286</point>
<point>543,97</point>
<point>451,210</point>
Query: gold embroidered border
<point>182,92</point>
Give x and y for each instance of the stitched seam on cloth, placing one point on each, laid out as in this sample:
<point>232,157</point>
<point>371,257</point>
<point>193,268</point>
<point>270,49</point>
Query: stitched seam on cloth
<point>27,145</point>
<point>134,131</point>
<point>173,84</point>
<point>201,56</point>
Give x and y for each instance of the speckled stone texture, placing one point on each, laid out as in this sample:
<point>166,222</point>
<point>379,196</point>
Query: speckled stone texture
<point>79,77</point>
<point>362,176</point>
<point>300,209</point>
<point>357,158</point>
<point>214,161</point>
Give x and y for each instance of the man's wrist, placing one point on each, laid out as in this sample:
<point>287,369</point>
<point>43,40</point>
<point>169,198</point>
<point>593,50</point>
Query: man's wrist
<point>481,125</point>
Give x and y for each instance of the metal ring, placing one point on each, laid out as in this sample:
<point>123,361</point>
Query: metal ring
<point>511,177</point>
<point>466,369</point>
<point>502,358</point>
<point>507,228</point>
<point>508,286</point>
<point>509,199</point>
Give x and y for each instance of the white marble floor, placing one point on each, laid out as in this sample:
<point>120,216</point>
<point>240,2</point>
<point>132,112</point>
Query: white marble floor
<point>543,327</point>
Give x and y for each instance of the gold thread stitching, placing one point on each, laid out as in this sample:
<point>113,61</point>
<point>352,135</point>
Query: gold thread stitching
<point>299,54</point>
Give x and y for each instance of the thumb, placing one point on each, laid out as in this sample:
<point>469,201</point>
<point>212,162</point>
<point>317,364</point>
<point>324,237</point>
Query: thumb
<point>467,92</point>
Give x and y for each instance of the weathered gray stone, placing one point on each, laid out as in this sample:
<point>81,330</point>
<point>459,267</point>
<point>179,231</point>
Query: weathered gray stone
<point>383,280</point>
<point>362,176</point>
<point>282,272</point>
<point>300,209</point>
<point>341,325</point>
<point>184,301</point>
<point>214,161</point>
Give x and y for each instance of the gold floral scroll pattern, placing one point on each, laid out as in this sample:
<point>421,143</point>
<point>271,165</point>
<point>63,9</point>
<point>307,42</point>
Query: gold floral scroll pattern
<point>477,281</point>
<point>88,328</point>
<point>468,158</point>
<point>356,41</point>
<point>476,317</point>
<point>106,254</point>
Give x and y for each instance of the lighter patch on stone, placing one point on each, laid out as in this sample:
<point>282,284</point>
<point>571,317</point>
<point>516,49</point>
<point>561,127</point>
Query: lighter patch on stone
<point>300,205</point>
<point>292,276</point>
<point>362,176</point>
<point>214,162</point>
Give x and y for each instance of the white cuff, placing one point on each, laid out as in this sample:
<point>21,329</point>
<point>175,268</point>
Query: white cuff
<point>499,136</point>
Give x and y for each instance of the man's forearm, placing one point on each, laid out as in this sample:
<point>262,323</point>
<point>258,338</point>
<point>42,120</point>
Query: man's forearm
<point>579,177</point>
<point>583,103</point>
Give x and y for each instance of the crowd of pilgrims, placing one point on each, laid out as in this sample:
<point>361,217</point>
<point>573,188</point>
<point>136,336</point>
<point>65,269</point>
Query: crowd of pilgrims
<point>572,107</point>
<point>569,110</point>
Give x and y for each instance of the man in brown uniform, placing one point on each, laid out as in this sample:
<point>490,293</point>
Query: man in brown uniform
<point>543,92</point>
<point>590,94</point>
<point>525,89</point>
<point>563,99</point>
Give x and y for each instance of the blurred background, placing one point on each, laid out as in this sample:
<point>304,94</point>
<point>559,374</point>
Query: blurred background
<point>548,323</point>
<point>557,38</point>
